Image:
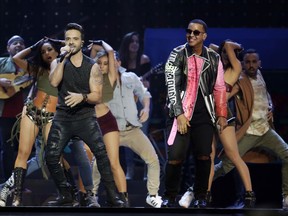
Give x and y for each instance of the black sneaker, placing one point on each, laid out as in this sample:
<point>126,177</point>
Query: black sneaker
<point>124,197</point>
<point>249,199</point>
<point>200,203</point>
<point>91,200</point>
<point>168,202</point>
<point>209,199</point>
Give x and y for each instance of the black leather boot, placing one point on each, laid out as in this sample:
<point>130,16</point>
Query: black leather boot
<point>125,199</point>
<point>209,199</point>
<point>19,176</point>
<point>81,198</point>
<point>104,168</point>
<point>70,179</point>
<point>113,199</point>
<point>169,202</point>
<point>203,200</point>
<point>65,197</point>
<point>249,199</point>
<point>74,190</point>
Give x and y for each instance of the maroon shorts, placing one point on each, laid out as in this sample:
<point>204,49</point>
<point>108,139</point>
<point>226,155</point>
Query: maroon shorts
<point>107,123</point>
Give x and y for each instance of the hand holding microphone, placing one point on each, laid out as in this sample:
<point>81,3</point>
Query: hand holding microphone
<point>64,52</point>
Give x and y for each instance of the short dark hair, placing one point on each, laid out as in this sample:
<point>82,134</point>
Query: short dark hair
<point>75,26</point>
<point>251,51</point>
<point>201,22</point>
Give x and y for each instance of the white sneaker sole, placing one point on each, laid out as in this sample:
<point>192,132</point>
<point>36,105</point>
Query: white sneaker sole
<point>183,204</point>
<point>183,201</point>
<point>2,203</point>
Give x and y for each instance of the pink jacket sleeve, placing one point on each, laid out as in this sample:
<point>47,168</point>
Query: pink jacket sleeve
<point>220,93</point>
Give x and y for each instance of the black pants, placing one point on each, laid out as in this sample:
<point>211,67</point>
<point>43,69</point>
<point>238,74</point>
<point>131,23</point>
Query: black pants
<point>199,139</point>
<point>87,130</point>
<point>8,150</point>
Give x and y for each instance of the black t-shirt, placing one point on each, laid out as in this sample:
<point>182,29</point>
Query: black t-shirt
<point>75,79</point>
<point>200,114</point>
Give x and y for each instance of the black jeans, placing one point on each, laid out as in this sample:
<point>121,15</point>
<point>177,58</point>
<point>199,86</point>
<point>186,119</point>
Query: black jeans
<point>87,130</point>
<point>198,139</point>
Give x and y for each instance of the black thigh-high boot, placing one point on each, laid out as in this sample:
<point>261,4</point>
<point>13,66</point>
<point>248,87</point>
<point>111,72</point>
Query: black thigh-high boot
<point>104,168</point>
<point>172,184</point>
<point>202,173</point>
<point>19,176</point>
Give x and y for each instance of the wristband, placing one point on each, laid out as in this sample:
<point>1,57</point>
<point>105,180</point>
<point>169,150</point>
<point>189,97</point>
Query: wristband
<point>97,42</point>
<point>85,98</point>
<point>33,47</point>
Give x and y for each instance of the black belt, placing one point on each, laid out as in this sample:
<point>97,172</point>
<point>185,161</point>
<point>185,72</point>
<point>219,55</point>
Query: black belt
<point>129,125</point>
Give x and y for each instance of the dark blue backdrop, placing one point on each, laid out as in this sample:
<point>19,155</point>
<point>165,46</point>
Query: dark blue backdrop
<point>272,43</point>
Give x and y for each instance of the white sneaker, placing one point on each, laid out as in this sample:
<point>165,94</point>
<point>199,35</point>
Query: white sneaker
<point>154,201</point>
<point>187,198</point>
<point>7,189</point>
<point>5,192</point>
<point>285,203</point>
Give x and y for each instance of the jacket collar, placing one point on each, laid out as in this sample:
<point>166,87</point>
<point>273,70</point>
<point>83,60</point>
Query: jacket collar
<point>204,56</point>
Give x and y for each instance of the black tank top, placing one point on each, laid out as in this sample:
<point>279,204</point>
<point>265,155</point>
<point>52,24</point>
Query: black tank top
<point>75,79</point>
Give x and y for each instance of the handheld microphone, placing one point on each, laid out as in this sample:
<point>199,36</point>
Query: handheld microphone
<point>62,56</point>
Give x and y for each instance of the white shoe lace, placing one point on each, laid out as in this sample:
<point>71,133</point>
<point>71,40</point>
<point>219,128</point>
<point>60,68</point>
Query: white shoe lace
<point>7,188</point>
<point>10,181</point>
<point>4,193</point>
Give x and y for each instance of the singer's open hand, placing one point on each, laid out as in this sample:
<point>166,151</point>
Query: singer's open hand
<point>73,99</point>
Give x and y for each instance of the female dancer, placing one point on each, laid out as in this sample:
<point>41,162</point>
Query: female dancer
<point>107,122</point>
<point>232,67</point>
<point>37,115</point>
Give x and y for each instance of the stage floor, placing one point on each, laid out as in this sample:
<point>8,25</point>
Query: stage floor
<point>68,211</point>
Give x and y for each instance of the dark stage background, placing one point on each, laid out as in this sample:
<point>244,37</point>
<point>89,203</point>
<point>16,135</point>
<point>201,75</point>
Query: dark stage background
<point>111,19</point>
<point>261,24</point>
